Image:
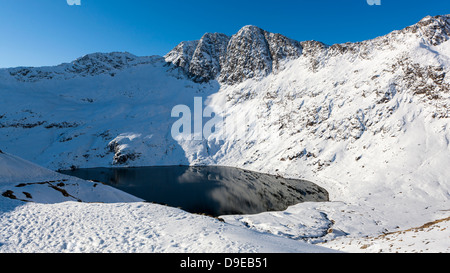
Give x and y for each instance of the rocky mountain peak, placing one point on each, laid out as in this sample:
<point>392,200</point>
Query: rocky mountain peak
<point>254,52</point>
<point>251,52</point>
<point>248,55</point>
<point>208,57</point>
<point>181,55</point>
<point>434,30</point>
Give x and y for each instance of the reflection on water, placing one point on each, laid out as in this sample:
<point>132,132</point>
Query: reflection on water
<point>212,190</point>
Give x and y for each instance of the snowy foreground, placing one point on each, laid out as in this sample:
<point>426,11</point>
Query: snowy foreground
<point>108,220</point>
<point>44,211</point>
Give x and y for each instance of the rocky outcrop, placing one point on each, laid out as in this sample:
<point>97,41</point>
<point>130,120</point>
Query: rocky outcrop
<point>433,29</point>
<point>252,52</point>
<point>208,57</point>
<point>181,55</point>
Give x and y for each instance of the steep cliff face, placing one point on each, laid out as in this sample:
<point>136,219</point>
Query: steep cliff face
<point>252,52</point>
<point>181,55</point>
<point>208,57</point>
<point>248,56</point>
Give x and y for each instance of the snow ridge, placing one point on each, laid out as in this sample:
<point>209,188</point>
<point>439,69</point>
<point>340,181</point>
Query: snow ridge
<point>88,65</point>
<point>255,53</point>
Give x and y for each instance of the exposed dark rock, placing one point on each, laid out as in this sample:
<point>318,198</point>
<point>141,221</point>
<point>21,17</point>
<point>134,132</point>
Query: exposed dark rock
<point>208,57</point>
<point>9,194</point>
<point>250,53</point>
<point>181,55</point>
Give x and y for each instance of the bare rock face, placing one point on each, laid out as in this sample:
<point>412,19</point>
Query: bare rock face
<point>201,60</point>
<point>252,52</point>
<point>208,57</point>
<point>248,56</point>
<point>181,55</point>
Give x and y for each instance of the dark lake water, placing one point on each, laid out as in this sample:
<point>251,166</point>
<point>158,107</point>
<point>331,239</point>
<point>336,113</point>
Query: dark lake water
<point>212,190</point>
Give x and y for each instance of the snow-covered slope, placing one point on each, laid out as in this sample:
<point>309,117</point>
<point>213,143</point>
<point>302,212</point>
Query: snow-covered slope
<point>75,119</point>
<point>131,228</point>
<point>431,237</point>
<point>367,121</point>
<point>23,181</point>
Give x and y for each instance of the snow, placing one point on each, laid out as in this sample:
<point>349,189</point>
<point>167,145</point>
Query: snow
<point>28,182</point>
<point>429,238</point>
<point>130,227</point>
<point>366,121</point>
<point>110,221</point>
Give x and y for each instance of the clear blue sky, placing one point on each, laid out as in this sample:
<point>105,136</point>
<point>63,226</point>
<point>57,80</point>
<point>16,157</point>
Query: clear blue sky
<point>50,32</point>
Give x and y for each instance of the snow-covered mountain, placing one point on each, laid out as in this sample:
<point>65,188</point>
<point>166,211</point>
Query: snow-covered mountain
<point>367,121</point>
<point>89,65</point>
